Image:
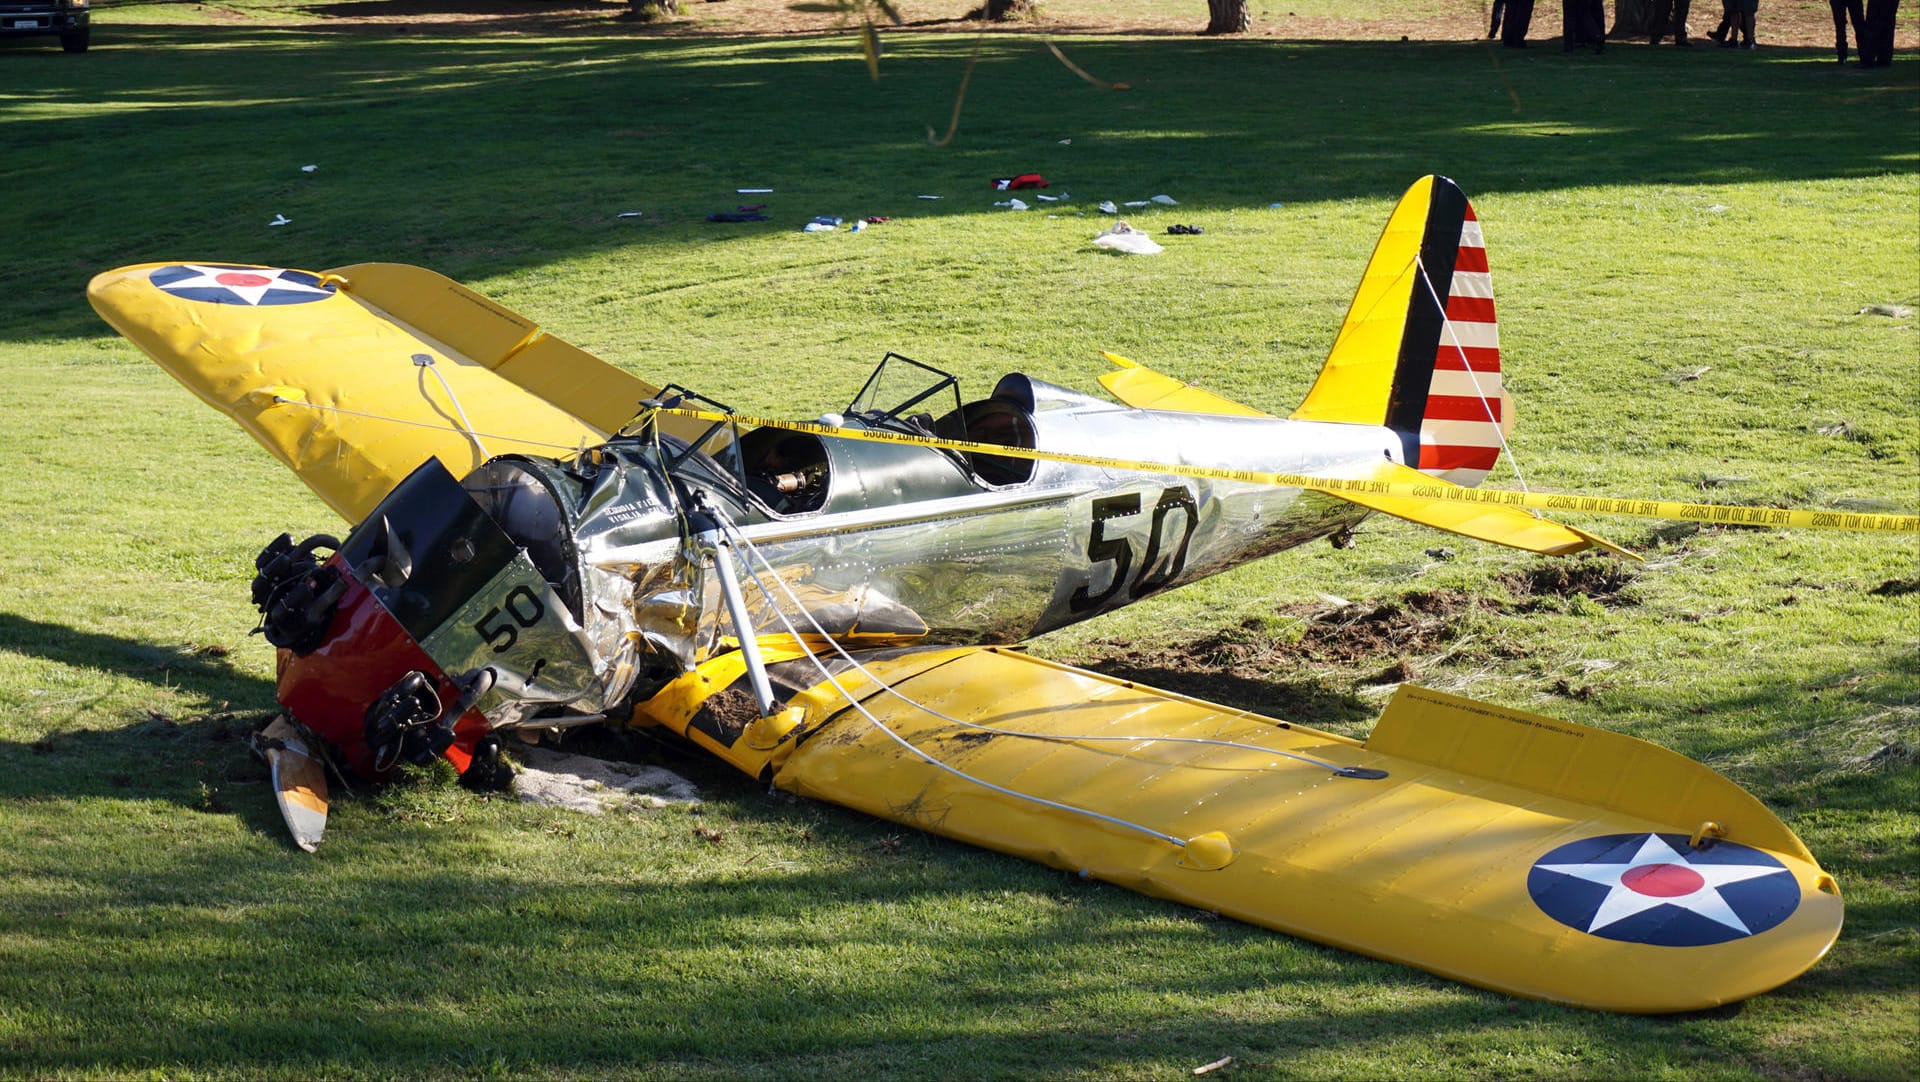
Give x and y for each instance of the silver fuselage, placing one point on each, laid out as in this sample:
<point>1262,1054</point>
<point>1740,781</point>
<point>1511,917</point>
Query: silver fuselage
<point>911,542</point>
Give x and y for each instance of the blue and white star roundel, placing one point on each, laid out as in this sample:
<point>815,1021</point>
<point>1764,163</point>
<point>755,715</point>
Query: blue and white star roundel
<point>1654,888</point>
<point>218,283</point>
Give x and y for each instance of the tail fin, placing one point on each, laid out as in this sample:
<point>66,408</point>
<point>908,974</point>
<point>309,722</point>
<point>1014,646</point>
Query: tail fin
<point>1419,351</point>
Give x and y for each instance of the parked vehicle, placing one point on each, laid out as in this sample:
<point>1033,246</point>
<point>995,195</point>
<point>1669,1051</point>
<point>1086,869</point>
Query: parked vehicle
<point>67,18</point>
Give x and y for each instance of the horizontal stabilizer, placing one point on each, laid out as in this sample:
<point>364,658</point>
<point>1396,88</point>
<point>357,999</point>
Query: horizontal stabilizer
<point>1510,526</point>
<point>1142,388</point>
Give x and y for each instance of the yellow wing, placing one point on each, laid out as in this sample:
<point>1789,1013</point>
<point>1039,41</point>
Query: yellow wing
<point>1479,854</point>
<point>356,376</point>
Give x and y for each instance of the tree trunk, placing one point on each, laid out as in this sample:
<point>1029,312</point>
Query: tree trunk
<point>645,10</point>
<point>1228,17</point>
<point>1640,18</point>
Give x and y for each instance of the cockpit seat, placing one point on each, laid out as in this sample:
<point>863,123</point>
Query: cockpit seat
<point>997,421</point>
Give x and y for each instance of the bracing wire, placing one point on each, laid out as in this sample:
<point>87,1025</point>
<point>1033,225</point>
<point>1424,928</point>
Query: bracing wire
<point>425,360</point>
<point>1057,738</point>
<point>469,433</point>
<point>746,545</point>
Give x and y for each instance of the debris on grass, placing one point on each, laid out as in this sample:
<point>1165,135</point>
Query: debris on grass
<point>583,784</point>
<point>1891,311</point>
<point>1121,237</point>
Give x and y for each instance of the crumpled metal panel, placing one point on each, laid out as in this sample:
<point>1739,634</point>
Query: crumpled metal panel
<point>519,627</point>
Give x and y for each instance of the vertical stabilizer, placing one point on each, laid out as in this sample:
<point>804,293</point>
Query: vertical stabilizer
<point>1419,351</point>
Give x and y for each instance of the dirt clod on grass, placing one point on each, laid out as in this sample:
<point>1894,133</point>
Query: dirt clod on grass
<point>1416,623</point>
<point>1600,579</point>
<point>1312,664</point>
<point>1312,676</point>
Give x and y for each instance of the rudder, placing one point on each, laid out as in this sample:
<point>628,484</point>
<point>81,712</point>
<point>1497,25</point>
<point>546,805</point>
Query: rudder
<point>1419,350</point>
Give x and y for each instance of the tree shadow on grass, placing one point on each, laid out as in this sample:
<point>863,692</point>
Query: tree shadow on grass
<point>490,155</point>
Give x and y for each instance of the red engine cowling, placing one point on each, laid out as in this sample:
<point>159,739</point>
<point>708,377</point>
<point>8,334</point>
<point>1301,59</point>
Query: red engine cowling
<point>388,645</point>
<point>335,688</point>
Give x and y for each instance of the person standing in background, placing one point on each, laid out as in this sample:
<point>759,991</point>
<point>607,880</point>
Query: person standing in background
<point>1729,22</point>
<point>1671,16</point>
<point>1843,10</point>
<point>1876,45</point>
<point>1513,27</point>
<point>1583,22</point>
<point>1748,11</point>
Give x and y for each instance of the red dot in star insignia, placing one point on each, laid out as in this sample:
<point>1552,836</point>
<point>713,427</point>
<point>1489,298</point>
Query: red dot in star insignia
<point>241,278</point>
<point>1663,880</point>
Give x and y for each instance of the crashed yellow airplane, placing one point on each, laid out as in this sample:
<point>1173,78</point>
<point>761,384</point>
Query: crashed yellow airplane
<point>544,540</point>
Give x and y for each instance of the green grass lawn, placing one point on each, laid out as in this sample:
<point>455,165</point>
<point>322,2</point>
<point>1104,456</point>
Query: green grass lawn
<point>1681,243</point>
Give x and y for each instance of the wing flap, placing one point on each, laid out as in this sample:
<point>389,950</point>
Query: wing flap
<point>1446,863</point>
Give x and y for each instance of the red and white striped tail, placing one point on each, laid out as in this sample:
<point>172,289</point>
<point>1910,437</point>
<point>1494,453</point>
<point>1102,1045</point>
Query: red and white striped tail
<point>1460,429</point>
<point>1419,352</point>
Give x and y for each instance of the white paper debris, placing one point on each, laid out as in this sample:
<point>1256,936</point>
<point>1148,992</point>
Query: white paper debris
<point>308,168</point>
<point>1121,237</point>
<point>628,214</point>
<point>926,197</point>
<point>280,219</point>
<point>754,191</point>
<point>1106,207</point>
<point>1012,204</point>
<point>1166,200</point>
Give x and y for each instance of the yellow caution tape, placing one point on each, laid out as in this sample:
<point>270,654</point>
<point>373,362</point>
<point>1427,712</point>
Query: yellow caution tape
<point>1715,514</point>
